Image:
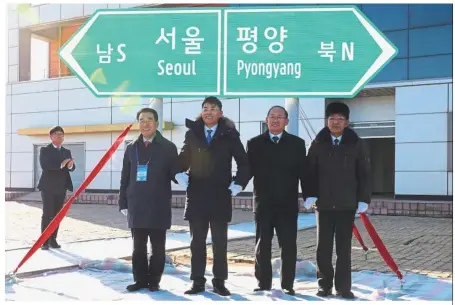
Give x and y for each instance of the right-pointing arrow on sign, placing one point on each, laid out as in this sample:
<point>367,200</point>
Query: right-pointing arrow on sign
<point>388,52</point>
<point>301,51</point>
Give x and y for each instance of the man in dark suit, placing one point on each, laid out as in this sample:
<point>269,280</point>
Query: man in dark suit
<point>339,183</point>
<point>277,162</point>
<point>149,165</point>
<point>56,164</point>
<point>210,144</point>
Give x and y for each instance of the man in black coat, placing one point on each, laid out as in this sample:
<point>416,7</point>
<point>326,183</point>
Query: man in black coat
<point>339,183</point>
<point>277,162</point>
<point>56,164</point>
<point>210,144</point>
<point>149,165</point>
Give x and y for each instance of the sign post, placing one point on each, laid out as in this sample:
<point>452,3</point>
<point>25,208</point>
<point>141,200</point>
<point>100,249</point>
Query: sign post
<point>234,52</point>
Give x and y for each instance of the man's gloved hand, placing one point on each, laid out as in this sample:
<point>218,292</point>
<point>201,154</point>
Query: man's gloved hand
<point>309,202</point>
<point>182,179</point>
<point>124,212</point>
<point>235,189</point>
<point>362,207</point>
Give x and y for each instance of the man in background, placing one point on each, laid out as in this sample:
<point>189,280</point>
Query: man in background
<point>56,164</point>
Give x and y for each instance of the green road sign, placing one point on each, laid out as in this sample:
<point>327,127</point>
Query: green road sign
<point>148,52</point>
<point>232,52</point>
<point>316,51</point>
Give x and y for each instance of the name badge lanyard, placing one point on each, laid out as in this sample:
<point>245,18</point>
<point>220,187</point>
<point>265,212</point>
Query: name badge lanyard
<point>137,158</point>
<point>141,169</point>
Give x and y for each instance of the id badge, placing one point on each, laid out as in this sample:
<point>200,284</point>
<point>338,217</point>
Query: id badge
<point>141,173</point>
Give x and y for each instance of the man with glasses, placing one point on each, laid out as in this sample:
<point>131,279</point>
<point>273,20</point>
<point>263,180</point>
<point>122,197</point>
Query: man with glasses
<point>339,184</point>
<point>149,165</point>
<point>56,164</point>
<point>277,162</point>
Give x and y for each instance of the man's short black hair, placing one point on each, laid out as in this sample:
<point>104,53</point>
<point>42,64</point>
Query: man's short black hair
<point>285,111</point>
<point>212,100</point>
<point>56,129</point>
<point>337,108</point>
<point>149,110</point>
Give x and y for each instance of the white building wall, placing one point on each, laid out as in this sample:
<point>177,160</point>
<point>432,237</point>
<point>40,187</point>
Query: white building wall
<point>422,139</point>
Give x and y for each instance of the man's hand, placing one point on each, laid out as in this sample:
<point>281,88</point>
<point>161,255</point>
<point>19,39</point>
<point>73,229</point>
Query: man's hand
<point>362,207</point>
<point>235,189</point>
<point>64,163</point>
<point>70,164</point>
<point>309,202</point>
<point>182,179</point>
<point>124,212</point>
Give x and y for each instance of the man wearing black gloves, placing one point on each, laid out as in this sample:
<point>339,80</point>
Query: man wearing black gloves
<point>339,183</point>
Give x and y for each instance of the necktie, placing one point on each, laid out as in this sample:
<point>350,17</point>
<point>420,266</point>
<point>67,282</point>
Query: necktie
<point>209,136</point>
<point>275,139</point>
<point>146,143</point>
<point>336,142</point>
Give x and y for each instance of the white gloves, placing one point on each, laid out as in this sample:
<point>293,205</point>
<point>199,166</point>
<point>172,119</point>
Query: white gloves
<point>362,207</point>
<point>235,189</point>
<point>124,212</point>
<point>182,179</point>
<point>309,202</point>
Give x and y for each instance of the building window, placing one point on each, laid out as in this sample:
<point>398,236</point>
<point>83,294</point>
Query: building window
<point>264,127</point>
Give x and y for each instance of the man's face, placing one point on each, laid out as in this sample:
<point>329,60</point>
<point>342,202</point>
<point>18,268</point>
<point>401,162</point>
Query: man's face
<point>276,120</point>
<point>211,114</point>
<point>57,138</point>
<point>147,124</point>
<point>336,124</point>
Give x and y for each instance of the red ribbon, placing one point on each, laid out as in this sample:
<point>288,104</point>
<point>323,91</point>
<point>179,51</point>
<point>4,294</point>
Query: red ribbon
<point>58,218</point>
<point>380,245</point>
<point>359,238</point>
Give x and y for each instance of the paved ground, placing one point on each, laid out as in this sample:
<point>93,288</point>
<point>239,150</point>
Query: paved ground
<point>83,222</point>
<point>418,245</point>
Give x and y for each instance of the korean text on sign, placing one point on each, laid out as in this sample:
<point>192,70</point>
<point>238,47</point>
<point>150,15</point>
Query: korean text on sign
<point>328,50</point>
<point>250,37</point>
<point>105,58</point>
<point>192,40</point>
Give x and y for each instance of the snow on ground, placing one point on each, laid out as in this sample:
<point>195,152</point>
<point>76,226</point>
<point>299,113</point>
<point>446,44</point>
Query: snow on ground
<point>107,280</point>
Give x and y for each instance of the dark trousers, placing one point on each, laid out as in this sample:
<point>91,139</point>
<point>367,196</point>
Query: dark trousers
<point>286,231</point>
<point>199,229</point>
<point>52,204</point>
<point>338,224</point>
<point>144,271</point>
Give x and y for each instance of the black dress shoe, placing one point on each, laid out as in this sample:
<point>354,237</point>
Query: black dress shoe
<point>45,247</point>
<point>54,245</point>
<point>324,292</point>
<point>136,286</point>
<point>154,287</point>
<point>346,295</point>
<point>195,290</point>
<point>289,291</point>
<point>261,289</point>
<point>221,290</point>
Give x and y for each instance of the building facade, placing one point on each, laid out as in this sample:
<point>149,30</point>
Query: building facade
<point>405,112</point>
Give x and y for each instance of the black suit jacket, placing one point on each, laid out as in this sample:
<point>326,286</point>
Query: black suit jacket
<point>277,170</point>
<point>54,178</point>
